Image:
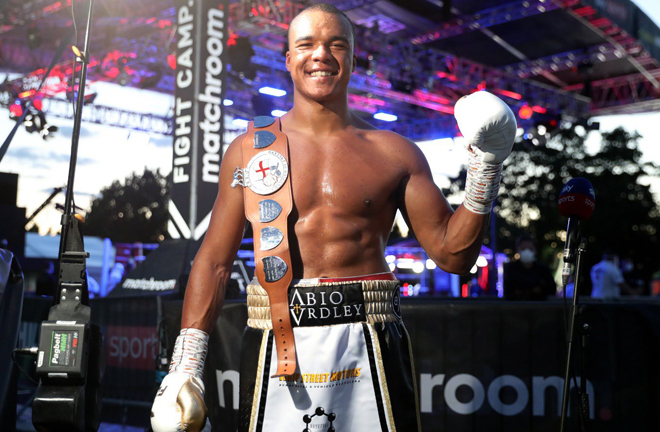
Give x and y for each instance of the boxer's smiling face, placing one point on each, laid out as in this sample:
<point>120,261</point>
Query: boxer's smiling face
<point>320,56</point>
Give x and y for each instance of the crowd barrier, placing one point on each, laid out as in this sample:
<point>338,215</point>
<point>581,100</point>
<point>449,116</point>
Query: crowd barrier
<point>480,365</point>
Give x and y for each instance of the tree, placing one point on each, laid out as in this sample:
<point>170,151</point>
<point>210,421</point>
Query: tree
<point>132,211</point>
<point>626,217</point>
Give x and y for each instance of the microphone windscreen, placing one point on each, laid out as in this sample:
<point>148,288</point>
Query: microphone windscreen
<point>577,199</point>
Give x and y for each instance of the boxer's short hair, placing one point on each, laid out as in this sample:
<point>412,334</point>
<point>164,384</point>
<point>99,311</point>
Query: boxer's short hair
<point>325,7</point>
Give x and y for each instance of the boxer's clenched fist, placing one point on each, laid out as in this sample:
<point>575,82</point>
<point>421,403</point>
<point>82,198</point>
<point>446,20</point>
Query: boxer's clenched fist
<point>179,404</point>
<point>487,124</point>
<point>489,128</point>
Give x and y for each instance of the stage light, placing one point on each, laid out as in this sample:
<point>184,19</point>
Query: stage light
<point>430,264</point>
<point>277,113</point>
<point>542,130</point>
<point>525,112</point>
<point>271,91</point>
<point>385,117</point>
<point>507,93</point>
<point>473,270</point>
<point>240,122</point>
<point>171,61</point>
<point>418,267</point>
<point>392,266</point>
<point>228,102</point>
<point>405,263</point>
<point>390,259</point>
<point>482,261</point>
<point>15,110</point>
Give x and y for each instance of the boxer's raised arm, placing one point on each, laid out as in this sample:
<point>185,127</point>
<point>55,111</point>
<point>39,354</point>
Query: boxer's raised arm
<point>453,239</point>
<point>214,261</point>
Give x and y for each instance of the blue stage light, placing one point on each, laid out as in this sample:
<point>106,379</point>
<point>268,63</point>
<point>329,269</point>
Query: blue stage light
<point>240,122</point>
<point>271,91</point>
<point>385,117</point>
<point>228,102</point>
<point>277,113</point>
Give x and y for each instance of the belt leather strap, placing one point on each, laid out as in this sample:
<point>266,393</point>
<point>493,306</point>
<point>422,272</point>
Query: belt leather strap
<point>268,203</point>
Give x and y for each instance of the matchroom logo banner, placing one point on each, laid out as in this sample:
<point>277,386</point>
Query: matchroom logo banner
<point>198,114</point>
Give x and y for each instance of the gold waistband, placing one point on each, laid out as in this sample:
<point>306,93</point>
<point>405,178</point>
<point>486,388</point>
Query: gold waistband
<point>377,302</point>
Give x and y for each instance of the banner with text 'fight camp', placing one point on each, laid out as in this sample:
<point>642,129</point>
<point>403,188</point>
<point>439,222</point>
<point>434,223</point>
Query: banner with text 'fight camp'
<point>200,86</point>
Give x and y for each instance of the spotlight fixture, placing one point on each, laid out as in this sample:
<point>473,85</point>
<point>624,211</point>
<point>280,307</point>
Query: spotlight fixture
<point>382,116</point>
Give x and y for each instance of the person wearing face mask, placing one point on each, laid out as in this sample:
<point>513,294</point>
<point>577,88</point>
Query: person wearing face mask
<point>606,278</point>
<point>526,278</point>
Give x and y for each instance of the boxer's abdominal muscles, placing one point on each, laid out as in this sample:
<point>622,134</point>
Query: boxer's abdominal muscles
<point>333,240</point>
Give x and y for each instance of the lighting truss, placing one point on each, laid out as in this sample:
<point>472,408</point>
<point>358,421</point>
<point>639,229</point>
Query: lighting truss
<point>486,18</point>
<point>624,95</point>
<point>396,58</point>
<point>346,5</point>
<point>110,116</point>
<point>624,43</point>
<point>276,15</point>
<point>565,61</point>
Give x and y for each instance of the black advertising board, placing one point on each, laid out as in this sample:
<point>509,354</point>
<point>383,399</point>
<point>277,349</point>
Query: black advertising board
<point>498,366</point>
<point>200,86</point>
<point>480,365</point>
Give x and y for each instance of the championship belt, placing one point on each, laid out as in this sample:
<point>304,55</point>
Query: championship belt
<point>268,203</point>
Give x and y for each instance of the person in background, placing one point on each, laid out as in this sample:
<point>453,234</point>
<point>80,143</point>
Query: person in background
<point>607,279</point>
<point>655,284</point>
<point>526,278</point>
<point>632,276</point>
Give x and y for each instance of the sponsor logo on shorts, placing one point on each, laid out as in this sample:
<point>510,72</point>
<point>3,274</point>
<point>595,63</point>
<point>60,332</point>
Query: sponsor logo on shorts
<point>340,376</point>
<point>322,423</point>
<point>310,306</point>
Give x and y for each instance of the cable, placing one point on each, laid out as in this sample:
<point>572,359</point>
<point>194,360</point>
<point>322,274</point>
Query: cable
<point>73,69</point>
<point>23,351</point>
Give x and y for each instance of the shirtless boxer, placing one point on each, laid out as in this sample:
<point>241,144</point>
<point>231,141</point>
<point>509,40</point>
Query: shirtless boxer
<point>347,179</point>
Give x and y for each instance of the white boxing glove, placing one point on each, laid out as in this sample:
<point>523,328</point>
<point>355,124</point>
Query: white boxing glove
<point>179,404</point>
<point>489,128</point>
<point>488,125</point>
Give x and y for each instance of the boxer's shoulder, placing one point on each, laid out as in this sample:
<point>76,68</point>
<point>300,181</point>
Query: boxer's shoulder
<point>384,138</point>
<point>399,149</point>
<point>233,151</point>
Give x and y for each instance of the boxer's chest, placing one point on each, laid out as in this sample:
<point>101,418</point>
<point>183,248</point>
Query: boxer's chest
<point>347,173</point>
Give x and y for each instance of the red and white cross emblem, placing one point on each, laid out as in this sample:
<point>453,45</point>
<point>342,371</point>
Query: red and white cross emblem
<point>261,169</point>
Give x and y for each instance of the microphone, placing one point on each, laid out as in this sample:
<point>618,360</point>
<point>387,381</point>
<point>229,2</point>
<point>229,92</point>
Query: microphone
<point>577,202</point>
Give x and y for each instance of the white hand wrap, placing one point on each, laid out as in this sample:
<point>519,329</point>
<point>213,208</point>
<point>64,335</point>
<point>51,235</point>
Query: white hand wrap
<point>482,185</point>
<point>179,403</point>
<point>190,351</point>
<point>489,128</point>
